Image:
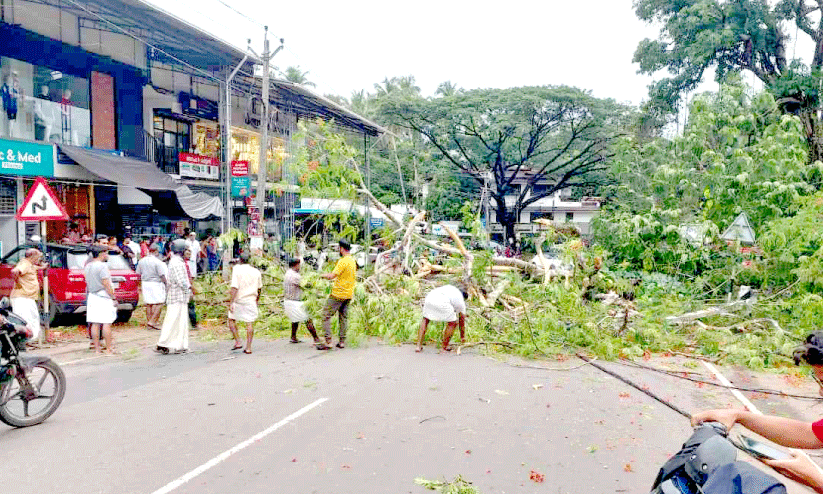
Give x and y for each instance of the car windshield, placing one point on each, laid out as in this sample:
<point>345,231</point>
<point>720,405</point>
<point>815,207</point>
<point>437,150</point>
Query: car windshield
<point>77,260</point>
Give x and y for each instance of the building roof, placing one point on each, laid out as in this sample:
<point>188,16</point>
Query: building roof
<point>204,51</point>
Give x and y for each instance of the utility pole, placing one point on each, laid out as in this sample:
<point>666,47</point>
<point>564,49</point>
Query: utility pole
<point>229,210</point>
<point>264,131</point>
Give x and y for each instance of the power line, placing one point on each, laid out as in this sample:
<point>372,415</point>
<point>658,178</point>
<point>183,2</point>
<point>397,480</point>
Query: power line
<point>241,14</point>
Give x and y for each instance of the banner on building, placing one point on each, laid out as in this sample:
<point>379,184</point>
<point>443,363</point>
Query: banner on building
<point>26,158</point>
<point>240,182</point>
<point>196,166</point>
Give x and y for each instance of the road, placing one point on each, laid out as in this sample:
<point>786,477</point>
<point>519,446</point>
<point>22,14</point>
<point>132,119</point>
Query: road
<point>290,419</point>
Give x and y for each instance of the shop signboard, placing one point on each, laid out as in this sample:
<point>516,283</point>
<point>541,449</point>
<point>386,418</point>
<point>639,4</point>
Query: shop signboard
<point>26,158</point>
<point>196,166</point>
<point>240,183</point>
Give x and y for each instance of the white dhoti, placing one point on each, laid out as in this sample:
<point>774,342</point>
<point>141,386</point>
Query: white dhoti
<point>100,310</point>
<point>295,311</point>
<point>243,312</point>
<point>154,292</point>
<point>27,309</point>
<point>175,332</point>
<point>439,310</point>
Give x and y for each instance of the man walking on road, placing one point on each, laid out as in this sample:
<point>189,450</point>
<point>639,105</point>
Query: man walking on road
<point>27,289</point>
<point>447,304</point>
<point>174,336</point>
<point>153,281</point>
<point>246,285</point>
<point>101,302</point>
<point>341,293</point>
<point>293,304</point>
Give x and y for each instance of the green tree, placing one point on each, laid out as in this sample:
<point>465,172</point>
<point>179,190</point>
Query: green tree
<point>297,76</point>
<point>737,154</point>
<point>559,135</point>
<point>733,36</point>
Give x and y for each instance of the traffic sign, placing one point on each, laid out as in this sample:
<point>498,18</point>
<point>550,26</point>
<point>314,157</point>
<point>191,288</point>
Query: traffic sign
<point>41,204</point>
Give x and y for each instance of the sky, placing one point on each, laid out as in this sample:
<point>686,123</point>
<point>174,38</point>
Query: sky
<point>349,46</point>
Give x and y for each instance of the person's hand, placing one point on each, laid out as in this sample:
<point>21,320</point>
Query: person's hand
<point>114,302</point>
<point>799,469</point>
<point>727,417</point>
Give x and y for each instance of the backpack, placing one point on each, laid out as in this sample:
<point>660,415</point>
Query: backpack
<point>706,463</point>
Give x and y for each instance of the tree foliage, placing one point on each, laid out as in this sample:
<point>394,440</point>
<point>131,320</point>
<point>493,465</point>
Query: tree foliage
<point>559,135</point>
<point>737,154</point>
<point>731,36</point>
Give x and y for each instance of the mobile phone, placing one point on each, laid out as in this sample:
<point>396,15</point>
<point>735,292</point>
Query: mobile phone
<point>760,450</point>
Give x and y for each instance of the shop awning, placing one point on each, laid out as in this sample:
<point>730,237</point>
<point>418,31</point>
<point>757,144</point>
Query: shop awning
<point>145,176</point>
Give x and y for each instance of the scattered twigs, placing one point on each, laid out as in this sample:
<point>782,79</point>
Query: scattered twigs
<point>487,343</point>
<point>691,316</point>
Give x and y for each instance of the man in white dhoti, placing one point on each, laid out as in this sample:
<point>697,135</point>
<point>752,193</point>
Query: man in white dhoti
<point>153,281</point>
<point>293,304</point>
<point>244,292</point>
<point>174,336</point>
<point>447,304</point>
<point>101,302</point>
<point>27,289</point>
<point>194,245</point>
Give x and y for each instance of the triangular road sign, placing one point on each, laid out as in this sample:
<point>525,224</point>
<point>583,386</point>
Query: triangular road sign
<point>41,204</point>
<point>739,230</point>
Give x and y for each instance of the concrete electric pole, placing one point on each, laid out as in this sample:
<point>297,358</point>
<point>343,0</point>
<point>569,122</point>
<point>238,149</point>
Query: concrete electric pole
<point>264,131</point>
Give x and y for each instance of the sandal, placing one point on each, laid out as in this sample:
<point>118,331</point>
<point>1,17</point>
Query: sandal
<point>295,340</point>
<point>237,347</point>
<point>340,344</point>
<point>247,352</point>
<point>161,350</point>
<point>322,346</point>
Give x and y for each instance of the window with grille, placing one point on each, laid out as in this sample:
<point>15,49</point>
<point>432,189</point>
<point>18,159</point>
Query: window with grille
<point>8,197</point>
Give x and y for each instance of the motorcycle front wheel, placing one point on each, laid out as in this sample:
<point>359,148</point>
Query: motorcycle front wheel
<point>19,408</point>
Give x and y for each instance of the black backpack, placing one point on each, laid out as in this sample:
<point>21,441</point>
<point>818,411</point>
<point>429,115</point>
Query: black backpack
<point>707,464</point>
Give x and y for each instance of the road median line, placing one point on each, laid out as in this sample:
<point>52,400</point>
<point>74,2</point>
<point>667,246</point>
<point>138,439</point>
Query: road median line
<point>225,455</point>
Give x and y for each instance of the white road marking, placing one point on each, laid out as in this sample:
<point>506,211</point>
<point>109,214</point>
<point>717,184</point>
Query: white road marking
<point>81,360</point>
<point>748,404</point>
<point>224,456</point>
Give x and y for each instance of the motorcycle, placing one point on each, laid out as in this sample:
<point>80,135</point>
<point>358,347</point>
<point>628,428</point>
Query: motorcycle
<point>25,382</point>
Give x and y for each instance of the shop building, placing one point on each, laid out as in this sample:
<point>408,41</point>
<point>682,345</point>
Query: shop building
<point>125,105</point>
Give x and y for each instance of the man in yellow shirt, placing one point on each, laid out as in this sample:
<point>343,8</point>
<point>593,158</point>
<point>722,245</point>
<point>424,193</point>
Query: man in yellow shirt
<point>26,289</point>
<point>341,293</point>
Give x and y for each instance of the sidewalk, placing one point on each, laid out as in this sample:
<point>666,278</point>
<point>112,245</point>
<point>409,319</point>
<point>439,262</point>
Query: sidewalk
<point>125,337</point>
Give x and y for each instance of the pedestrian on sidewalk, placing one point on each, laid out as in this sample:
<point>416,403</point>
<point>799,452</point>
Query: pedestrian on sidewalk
<point>101,302</point>
<point>447,304</point>
<point>26,289</point>
<point>293,304</point>
<point>246,286</point>
<point>174,335</point>
<point>191,307</point>
<point>341,294</point>
<point>153,281</point>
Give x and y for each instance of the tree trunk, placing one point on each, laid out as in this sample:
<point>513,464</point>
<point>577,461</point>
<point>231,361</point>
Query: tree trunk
<point>813,129</point>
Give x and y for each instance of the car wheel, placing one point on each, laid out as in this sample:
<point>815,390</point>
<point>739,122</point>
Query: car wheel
<point>52,318</point>
<point>124,315</point>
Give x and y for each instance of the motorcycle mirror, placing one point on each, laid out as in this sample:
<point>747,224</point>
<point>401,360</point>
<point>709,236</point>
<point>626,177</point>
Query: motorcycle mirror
<point>5,303</point>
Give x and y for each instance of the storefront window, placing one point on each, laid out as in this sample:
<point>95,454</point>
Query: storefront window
<point>173,134</point>
<point>42,104</point>
<point>207,139</point>
<point>246,147</point>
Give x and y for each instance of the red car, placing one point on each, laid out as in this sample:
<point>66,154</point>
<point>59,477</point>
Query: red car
<point>67,282</point>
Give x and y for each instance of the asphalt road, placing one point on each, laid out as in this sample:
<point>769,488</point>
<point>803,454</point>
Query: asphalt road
<point>290,419</point>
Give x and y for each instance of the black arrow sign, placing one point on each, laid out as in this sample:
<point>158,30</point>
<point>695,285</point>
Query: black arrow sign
<point>41,205</point>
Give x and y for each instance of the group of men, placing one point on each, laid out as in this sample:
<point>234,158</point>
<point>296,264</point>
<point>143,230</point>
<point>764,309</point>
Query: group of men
<point>173,286</point>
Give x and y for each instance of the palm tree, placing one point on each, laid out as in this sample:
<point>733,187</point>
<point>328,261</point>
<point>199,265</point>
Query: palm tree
<point>447,89</point>
<point>297,76</point>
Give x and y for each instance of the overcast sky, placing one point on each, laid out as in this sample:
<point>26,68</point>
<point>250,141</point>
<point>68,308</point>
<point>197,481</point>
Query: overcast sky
<point>348,46</point>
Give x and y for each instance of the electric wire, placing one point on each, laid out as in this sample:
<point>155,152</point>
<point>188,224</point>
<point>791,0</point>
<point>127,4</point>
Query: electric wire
<point>680,375</point>
<point>141,40</point>
<point>241,14</point>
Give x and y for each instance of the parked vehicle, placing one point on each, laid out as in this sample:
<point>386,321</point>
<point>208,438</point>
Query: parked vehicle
<point>554,262</point>
<point>67,282</point>
<point>31,388</point>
